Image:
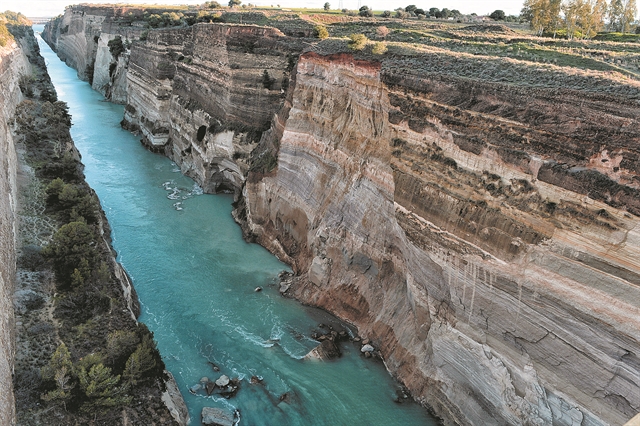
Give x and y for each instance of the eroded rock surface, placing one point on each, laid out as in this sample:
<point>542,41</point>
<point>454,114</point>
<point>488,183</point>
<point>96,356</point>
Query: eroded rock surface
<point>494,294</point>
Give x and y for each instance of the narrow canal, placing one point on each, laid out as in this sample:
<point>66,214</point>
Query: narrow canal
<point>195,277</point>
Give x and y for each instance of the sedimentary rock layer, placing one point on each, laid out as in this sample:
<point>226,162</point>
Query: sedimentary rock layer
<point>13,65</point>
<point>484,244</point>
<point>475,218</point>
<point>204,95</point>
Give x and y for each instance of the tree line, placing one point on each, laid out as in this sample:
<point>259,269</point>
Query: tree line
<point>579,18</point>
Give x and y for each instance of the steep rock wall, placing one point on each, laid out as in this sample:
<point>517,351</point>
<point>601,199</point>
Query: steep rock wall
<point>13,65</point>
<point>205,94</point>
<point>485,245</point>
<point>80,37</point>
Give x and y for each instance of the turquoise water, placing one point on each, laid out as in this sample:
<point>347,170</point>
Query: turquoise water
<point>195,279</point>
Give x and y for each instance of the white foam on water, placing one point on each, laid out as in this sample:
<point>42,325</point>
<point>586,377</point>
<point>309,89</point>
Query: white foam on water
<point>196,190</point>
<point>256,340</point>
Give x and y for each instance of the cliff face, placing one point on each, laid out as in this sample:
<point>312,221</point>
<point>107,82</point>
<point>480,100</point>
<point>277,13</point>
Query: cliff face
<point>482,231</point>
<point>13,65</point>
<point>81,39</point>
<point>486,242</point>
<point>204,95</point>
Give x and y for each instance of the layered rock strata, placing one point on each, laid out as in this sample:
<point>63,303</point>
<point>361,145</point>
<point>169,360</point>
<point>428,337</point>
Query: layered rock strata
<point>14,64</point>
<point>480,227</point>
<point>81,39</point>
<point>486,243</point>
<point>205,94</point>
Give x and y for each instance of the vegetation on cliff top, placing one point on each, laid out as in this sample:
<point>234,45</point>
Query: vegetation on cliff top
<point>10,24</point>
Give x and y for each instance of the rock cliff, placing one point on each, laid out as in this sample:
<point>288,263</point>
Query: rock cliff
<point>81,38</point>
<point>475,217</point>
<point>482,243</point>
<point>13,65</point>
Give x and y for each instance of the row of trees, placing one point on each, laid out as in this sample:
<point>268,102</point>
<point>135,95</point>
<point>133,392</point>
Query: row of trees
<point>92,382</point>
<point>579,18</point>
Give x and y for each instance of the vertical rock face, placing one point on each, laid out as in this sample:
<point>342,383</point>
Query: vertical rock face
<point>74,37</point>
<point>497,292</point>
<point>13,65</point>
<point>204,95</point>
<point>81,38</point>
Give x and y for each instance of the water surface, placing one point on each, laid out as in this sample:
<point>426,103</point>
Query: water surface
<point>195,278</point>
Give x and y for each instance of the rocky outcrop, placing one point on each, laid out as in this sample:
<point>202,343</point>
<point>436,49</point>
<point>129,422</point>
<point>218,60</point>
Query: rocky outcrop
<point>13,65</point>
<point>477,220</point>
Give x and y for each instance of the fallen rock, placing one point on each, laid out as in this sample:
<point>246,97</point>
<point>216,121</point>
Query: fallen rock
<point>367,348</point>
<point>222,381</point>
<point>195,388</point>
<point>325,350</point>
<point>217,417</point>
<point>210,386</point>
<point>258,289</point>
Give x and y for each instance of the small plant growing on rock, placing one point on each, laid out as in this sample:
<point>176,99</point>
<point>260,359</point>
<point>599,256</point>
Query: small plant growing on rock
<point>267,81</point>
<point>116,47</point>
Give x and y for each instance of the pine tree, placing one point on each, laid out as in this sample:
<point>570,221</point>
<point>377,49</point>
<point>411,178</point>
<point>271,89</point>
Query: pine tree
<point>616,10</point>
<point>140,361</point>
<point>628,15</point>
<point>101,387</point>
<point>59,369</point>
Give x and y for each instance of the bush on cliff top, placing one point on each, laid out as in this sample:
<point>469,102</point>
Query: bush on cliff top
<point>357,41</point>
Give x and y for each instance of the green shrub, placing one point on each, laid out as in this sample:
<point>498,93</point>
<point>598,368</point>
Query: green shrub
<point>357,41</point>
<point>116,47</point>
<point>379,48</point>
<point>71,247</point>
<point>101,388</point>
<point>320,31</point>
<point>140,362</point>
<point>267,80</point>
<point>120,345</point>
<point>59,370</point>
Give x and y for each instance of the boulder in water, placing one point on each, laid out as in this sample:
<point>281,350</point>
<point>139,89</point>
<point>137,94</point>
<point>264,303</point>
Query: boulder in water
<point>217,417</point>
<point>222,381</point>
<point>210,386</point>
<point>366,348</point>
<point>325,350</point>
<point>255,380</point>
<point>258,289</point>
